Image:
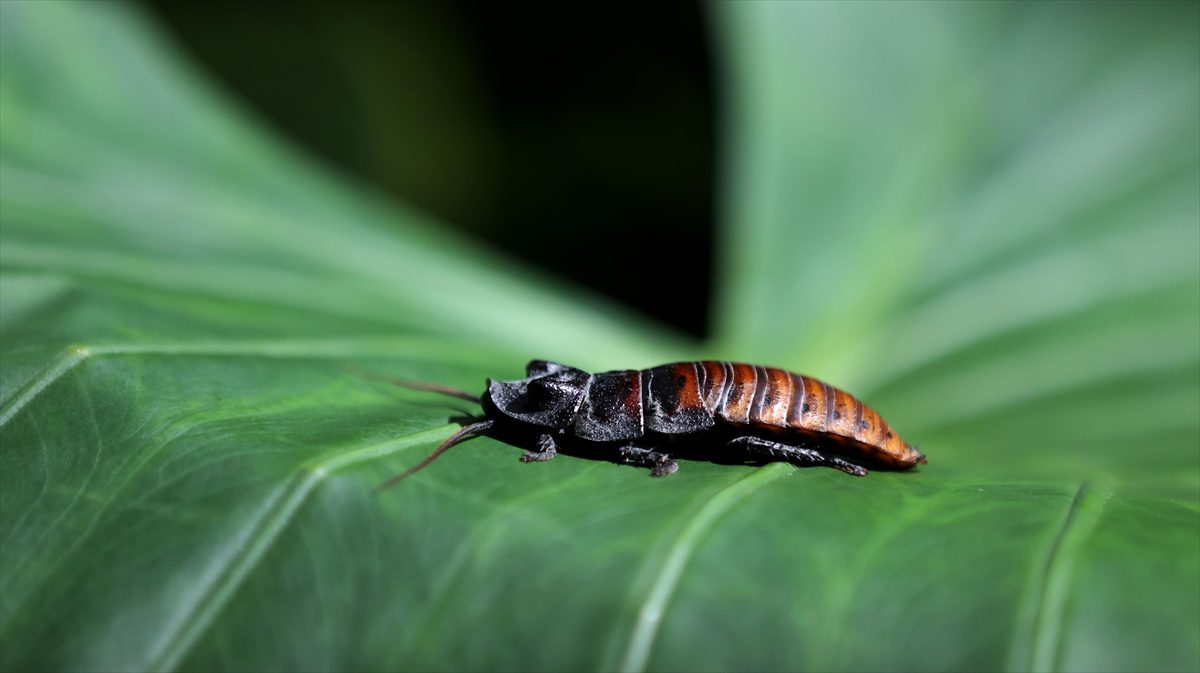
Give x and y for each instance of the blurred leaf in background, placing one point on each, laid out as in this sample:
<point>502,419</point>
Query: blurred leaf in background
<point>984,218</point>
<point>498,121</point>
<point>994,229</point>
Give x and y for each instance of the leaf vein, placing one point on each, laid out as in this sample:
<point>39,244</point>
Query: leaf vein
<point>1081,518</point>
<point>321,348</point>
<point>179,635</point>
<point>649,618</point>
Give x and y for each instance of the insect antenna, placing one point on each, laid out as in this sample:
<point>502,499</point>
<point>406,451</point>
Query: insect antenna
<point>415,385</point>
<point>461,436</point>
<point>435,388</point>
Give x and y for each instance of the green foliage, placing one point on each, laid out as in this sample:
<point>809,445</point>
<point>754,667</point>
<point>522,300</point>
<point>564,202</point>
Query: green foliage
<point>186,465</point>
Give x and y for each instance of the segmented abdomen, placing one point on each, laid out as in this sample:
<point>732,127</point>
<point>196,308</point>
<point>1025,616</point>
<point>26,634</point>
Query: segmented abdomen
<point>774,398</point>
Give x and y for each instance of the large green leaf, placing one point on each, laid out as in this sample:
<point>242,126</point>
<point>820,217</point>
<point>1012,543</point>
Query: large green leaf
<point>984,217</point>
<point>989,225</point>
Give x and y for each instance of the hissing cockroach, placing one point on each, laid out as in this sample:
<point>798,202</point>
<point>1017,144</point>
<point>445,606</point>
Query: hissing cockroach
<point>719,411</point>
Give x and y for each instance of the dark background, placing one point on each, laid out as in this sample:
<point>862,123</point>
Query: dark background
<point>581,142</point>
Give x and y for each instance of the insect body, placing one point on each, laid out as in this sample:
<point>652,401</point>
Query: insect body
<point>720,411</point>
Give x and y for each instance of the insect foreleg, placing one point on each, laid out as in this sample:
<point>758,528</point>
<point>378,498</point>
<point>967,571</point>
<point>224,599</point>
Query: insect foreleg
<point>796,455</point>
<point>660,464</point>
<point>549,449</point>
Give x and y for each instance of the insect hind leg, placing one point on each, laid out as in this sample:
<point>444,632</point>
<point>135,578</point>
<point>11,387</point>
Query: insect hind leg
<point>660,464</point>
<point>796,455</point>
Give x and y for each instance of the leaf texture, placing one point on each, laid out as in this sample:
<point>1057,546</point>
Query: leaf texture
<point>992,235</point>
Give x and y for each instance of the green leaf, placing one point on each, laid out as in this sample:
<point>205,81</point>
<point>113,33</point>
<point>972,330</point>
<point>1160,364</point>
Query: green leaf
<point>126,171</point>
<point>987,227</point>
<point>982,217</point>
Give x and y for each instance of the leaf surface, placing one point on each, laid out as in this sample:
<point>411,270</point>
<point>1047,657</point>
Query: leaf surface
<point>187,464</point>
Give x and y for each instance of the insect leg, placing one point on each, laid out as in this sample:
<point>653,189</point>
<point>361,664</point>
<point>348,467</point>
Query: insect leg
<point>660,464</point>
<point>796,455</point>
<point>548,450</point>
